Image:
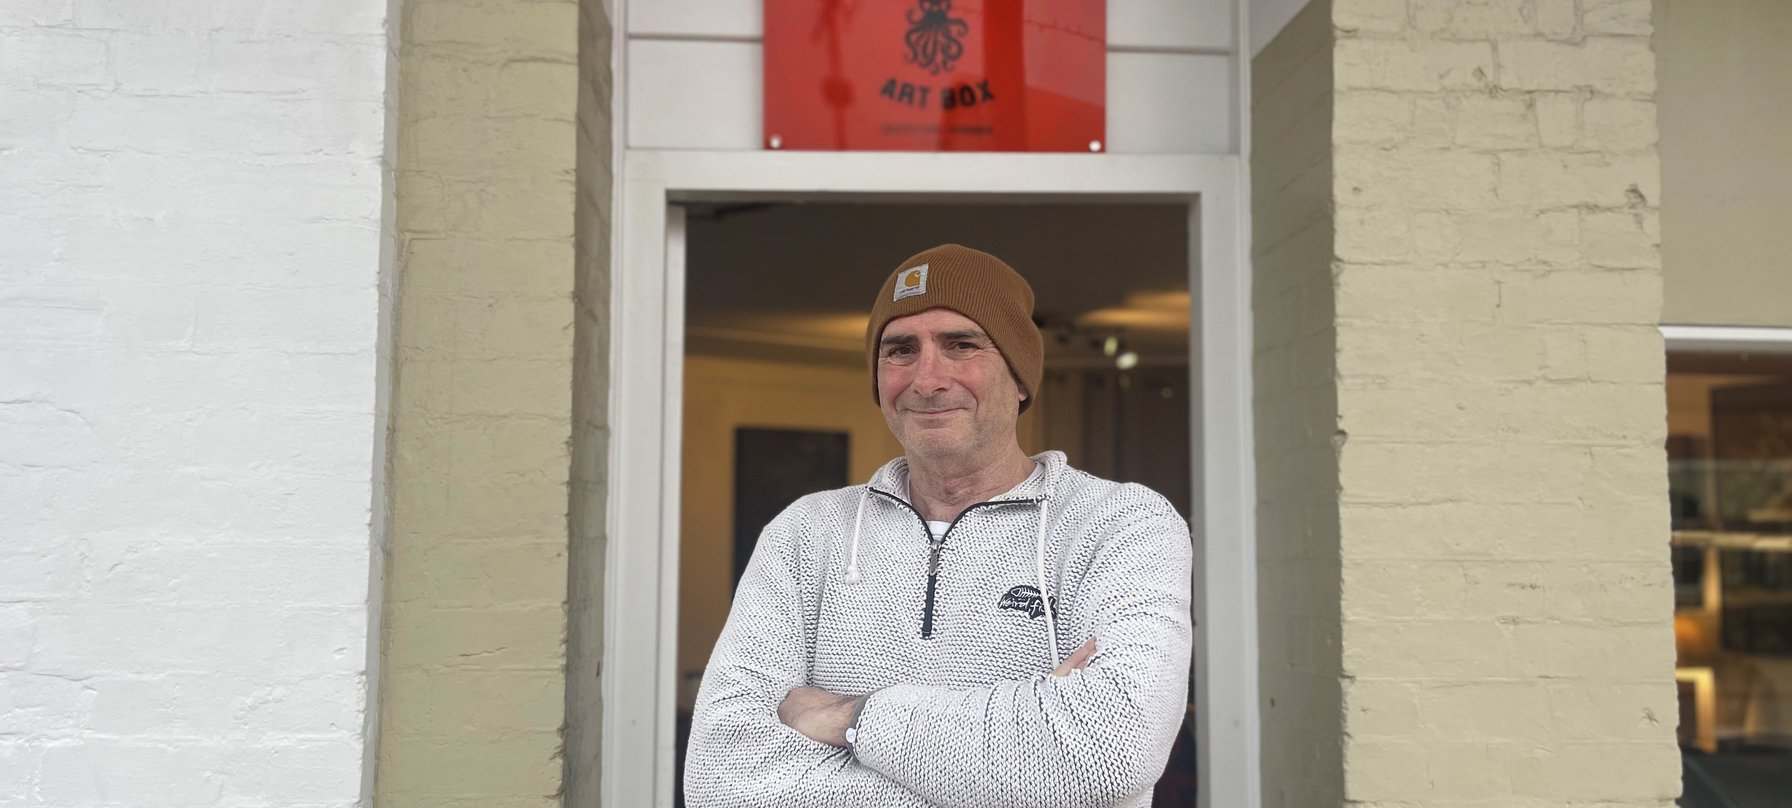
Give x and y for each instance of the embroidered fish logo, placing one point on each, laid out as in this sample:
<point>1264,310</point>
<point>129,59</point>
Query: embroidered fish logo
<point>1026,599</point>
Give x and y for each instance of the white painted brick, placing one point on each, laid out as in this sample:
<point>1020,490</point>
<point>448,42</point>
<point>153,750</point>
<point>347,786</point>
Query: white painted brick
<point>308,772</point>
<point>1495,122</point>
<point>244,125</point>
<point>191,194</point>
<point>18,635</point>
<point>36,13</point>
<point>18,770</point>
<point>355,18</point>
<point>148,774</point>
<point>51,705</point>
<point>54,58</point>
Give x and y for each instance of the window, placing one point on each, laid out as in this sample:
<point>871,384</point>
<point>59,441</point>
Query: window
<point>1730,490</point>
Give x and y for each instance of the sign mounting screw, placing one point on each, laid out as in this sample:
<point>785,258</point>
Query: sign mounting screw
<point>777,142</point>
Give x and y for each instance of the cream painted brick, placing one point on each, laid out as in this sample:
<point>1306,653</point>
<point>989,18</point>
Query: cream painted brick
<point>447,702</point>
<point>472,765</point>
<point>1385,770</point>
<point>1381,590</point>
<point>1558,119</point>
<point>460,266</point>
<point>1600,773</point>
<point>509,571</point>
<point>1446,355</point>
<point>1425,649</point>
<point>1406,294</point>
<point>1371,117</point>
<point>1504,590</point>
<point>1421,65</point>
<point>1377,16</point>
<point>1434,123</point>
<point>1605,65</point>
<point>1565,356</point>
<point>543,31</point>
<point>1639,653</point>
<point>1619,124</point>
<point>1629,240</point>
<point>1486,711</point>
<point>532,510</point>
<point>1482,530</point>
<point>1561,180</point>
<point>475,638</point>
<point>1617,712</point>
<point>1616,17</point>
<point>1472,18</point>
<point>1393,473</point>
<point>1372,235</point>
<point>488,145</point>
<point>1557,19</point>
<point>1381,709</point>
<point>1413,180</point>
<point>1596,297</point>
<point>1618,592</point>
<point>1495,122</point>
<point>1548,239</point>
<point>491,210</point>
<point>1625,354</point>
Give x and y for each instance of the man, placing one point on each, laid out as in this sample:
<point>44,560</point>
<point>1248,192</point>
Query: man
<point>974,627</point>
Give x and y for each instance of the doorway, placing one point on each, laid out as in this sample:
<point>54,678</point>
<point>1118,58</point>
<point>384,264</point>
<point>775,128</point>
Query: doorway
<point>776,382</point>
<point>662,195</point>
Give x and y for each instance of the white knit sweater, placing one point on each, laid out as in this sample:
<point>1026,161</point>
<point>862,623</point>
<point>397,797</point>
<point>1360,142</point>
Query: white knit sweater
<point>964,711</point>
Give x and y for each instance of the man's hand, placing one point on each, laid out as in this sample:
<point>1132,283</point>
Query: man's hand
<point>1078,659</point>
<point>818,714</point>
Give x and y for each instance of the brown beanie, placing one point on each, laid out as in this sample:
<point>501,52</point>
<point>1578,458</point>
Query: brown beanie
<point>977,285</point>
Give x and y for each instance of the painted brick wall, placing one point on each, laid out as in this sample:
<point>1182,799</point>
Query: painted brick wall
<point>1296,414</point>
<point>587,534</point>
<point>472,695</point>
<point>1502,487</point>
<point>190,206</point>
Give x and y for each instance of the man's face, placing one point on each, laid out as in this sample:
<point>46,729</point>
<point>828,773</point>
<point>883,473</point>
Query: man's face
<point>944,388</point>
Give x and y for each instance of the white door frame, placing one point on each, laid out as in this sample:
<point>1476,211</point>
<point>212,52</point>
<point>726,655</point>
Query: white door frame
<point>640,598</point>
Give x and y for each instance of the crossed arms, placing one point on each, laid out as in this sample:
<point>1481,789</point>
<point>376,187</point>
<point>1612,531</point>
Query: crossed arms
<point>1095,733</point>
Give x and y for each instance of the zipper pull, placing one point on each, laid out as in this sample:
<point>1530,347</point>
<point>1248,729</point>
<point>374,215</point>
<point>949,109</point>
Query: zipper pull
<point>933,557</point>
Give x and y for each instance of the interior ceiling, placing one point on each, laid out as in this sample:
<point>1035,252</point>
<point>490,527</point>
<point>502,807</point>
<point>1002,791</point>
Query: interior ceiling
<point>785,279</point>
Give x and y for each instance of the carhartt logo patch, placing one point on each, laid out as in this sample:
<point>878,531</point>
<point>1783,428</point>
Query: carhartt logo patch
<point>1025,599</point>
<point>913,282</point>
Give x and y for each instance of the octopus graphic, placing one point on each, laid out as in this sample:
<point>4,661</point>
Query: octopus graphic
<point>935,37</point>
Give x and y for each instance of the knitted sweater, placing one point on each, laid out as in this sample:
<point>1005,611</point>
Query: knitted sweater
<point>964,710</point>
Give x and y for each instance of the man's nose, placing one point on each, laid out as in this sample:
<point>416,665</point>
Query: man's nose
<point>930,371</point>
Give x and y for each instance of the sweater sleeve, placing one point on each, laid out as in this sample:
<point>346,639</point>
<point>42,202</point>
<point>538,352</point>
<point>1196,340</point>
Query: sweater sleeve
<point>1097,737</point>
<point>740,755</point>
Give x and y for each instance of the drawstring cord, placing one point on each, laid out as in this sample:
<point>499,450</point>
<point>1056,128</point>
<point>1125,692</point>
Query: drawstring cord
<point>852,563</point>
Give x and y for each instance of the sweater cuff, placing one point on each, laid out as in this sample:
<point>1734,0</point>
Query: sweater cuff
<point>882,723</point>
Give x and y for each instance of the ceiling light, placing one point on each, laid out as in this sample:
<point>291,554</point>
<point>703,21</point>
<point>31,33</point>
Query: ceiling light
<point>1126,361</point>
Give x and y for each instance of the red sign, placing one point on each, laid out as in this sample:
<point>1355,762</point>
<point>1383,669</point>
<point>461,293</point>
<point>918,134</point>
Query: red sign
<point>936,75</point>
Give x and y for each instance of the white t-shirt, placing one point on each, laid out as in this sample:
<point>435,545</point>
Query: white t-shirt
<point>938,529</point>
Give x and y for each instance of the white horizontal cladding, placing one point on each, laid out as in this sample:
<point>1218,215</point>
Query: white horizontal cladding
<point>1176,25</point>
<point>706,94</point>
